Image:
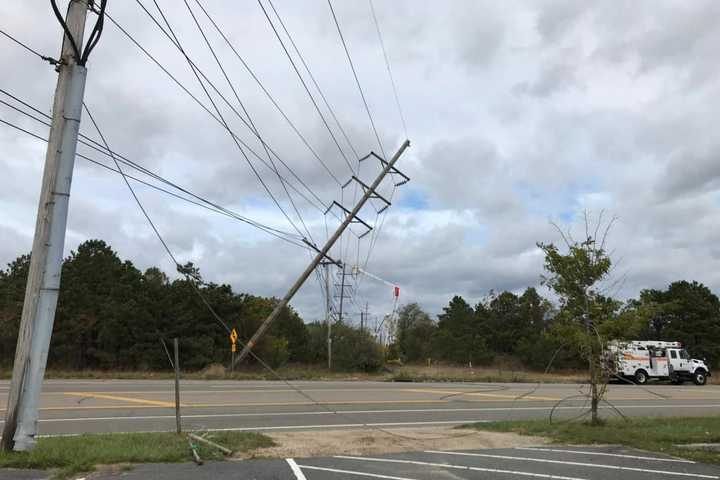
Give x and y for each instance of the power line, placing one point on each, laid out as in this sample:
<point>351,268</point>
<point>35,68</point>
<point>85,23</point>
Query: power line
<point>376,231</point>
<point>314,81</point>
<point>31,50</point>
<point>92,41</point>
<point>99,148</point>
<point>212,115</point>
<point>217,110</point>
<point>141,168</point>
<point>199,292</point>
<point>154,228</point>
<point>322,95</point>
<point>202,202</point>
<point>357,81</point>
<point>302,81</point>
<point>389,70</point>
<point>247,114</point>
<point>267,93</point>
<point>206,204</point>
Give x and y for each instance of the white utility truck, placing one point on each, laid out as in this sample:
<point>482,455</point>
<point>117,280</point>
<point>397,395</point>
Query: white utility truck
<point>643,360</point>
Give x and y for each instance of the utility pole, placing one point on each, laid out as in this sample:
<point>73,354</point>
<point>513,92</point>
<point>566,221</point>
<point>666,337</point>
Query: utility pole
<point>322,254</point>
<point>366,319</point>
<point>43,284</point>
<point>343,286</point>
<point>328,316</point>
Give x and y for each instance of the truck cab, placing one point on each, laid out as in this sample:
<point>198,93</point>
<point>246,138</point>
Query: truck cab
<point>682,367</point>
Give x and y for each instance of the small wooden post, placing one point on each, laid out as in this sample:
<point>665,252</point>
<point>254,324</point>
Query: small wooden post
<point>177,384</point>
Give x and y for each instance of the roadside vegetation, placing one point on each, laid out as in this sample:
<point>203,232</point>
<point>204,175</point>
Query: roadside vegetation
<point>501,372</point>
<point>111,318</point>
<point>68,456</point>
<point>658,434</point>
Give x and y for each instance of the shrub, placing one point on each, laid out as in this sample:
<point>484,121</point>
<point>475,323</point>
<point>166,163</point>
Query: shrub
<point>354,349</point>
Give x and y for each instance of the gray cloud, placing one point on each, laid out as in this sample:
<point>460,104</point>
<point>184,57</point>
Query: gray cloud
<point>519,114</point>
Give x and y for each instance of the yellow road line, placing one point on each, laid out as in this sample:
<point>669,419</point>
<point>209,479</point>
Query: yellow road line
<point>143,404</point>
<point>103,396</point>
<point>248,391</point>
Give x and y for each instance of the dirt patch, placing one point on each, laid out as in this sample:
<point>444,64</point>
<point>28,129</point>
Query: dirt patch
<point>373,442</point>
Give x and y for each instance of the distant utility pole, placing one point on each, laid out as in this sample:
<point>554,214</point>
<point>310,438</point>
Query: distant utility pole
<point>322,254</point>
<point>328,311</point>
<point>43,284</point>
<point>343,293</point>
<point>366,318</point>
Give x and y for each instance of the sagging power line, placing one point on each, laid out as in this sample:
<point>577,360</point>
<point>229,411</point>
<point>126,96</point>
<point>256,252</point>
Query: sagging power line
<point>74,42</point>
<point>198,199</point>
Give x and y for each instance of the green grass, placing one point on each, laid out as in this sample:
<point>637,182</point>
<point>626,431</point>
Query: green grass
<point>71,455</point>
<point>488,374</point>
<point>393,373</point>
<point>658,434</point>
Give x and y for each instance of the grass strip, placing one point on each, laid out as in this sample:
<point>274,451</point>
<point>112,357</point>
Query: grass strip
<point>407,373</point>
<point>74,454</point>
<point>657,434</point>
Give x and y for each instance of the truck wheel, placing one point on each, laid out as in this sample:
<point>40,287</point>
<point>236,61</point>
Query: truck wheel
<point>699,377</point>
<point>641,377</point>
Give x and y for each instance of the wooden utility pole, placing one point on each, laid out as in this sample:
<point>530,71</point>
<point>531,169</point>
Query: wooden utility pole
<point>43,284</point>
<point>323,252</point>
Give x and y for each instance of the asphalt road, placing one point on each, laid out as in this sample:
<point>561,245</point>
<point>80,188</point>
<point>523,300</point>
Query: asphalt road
<point>80,406</point>
<point>557,462</point>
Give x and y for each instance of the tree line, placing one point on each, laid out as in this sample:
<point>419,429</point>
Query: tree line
<point>111,315</point>
<point>528,327</point>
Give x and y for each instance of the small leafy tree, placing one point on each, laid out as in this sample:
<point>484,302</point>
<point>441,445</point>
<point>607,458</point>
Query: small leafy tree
<point>415,330</point>
<point>575,274</point>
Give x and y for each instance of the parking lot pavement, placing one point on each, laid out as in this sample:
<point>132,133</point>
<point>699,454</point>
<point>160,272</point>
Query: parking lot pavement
<point>12,474</point>
<point>559,463</point>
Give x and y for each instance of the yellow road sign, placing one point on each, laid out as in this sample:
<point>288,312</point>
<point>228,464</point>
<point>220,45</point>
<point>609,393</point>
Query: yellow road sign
<point>233,336</point>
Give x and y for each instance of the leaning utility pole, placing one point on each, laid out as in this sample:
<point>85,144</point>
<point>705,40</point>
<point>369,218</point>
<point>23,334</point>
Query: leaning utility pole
<point>43,284</point>
<point>370,192</point>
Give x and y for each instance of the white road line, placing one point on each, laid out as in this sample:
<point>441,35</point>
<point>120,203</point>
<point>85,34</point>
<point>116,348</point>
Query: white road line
<point>576,464</point>
<point>299,475</point>
<point>655,459</point>
<point>460,467</point>
<point>352,472</point>
<point>349,412</point>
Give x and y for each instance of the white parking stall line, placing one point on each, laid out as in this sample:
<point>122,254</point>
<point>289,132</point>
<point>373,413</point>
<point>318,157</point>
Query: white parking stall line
<point>619,455</point>
<point>576,464</point>
<point>459,467</point>
<point>353,472</point>
<point>299,475</point>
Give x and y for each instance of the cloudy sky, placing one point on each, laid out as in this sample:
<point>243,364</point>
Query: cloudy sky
<point>520,113</point>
